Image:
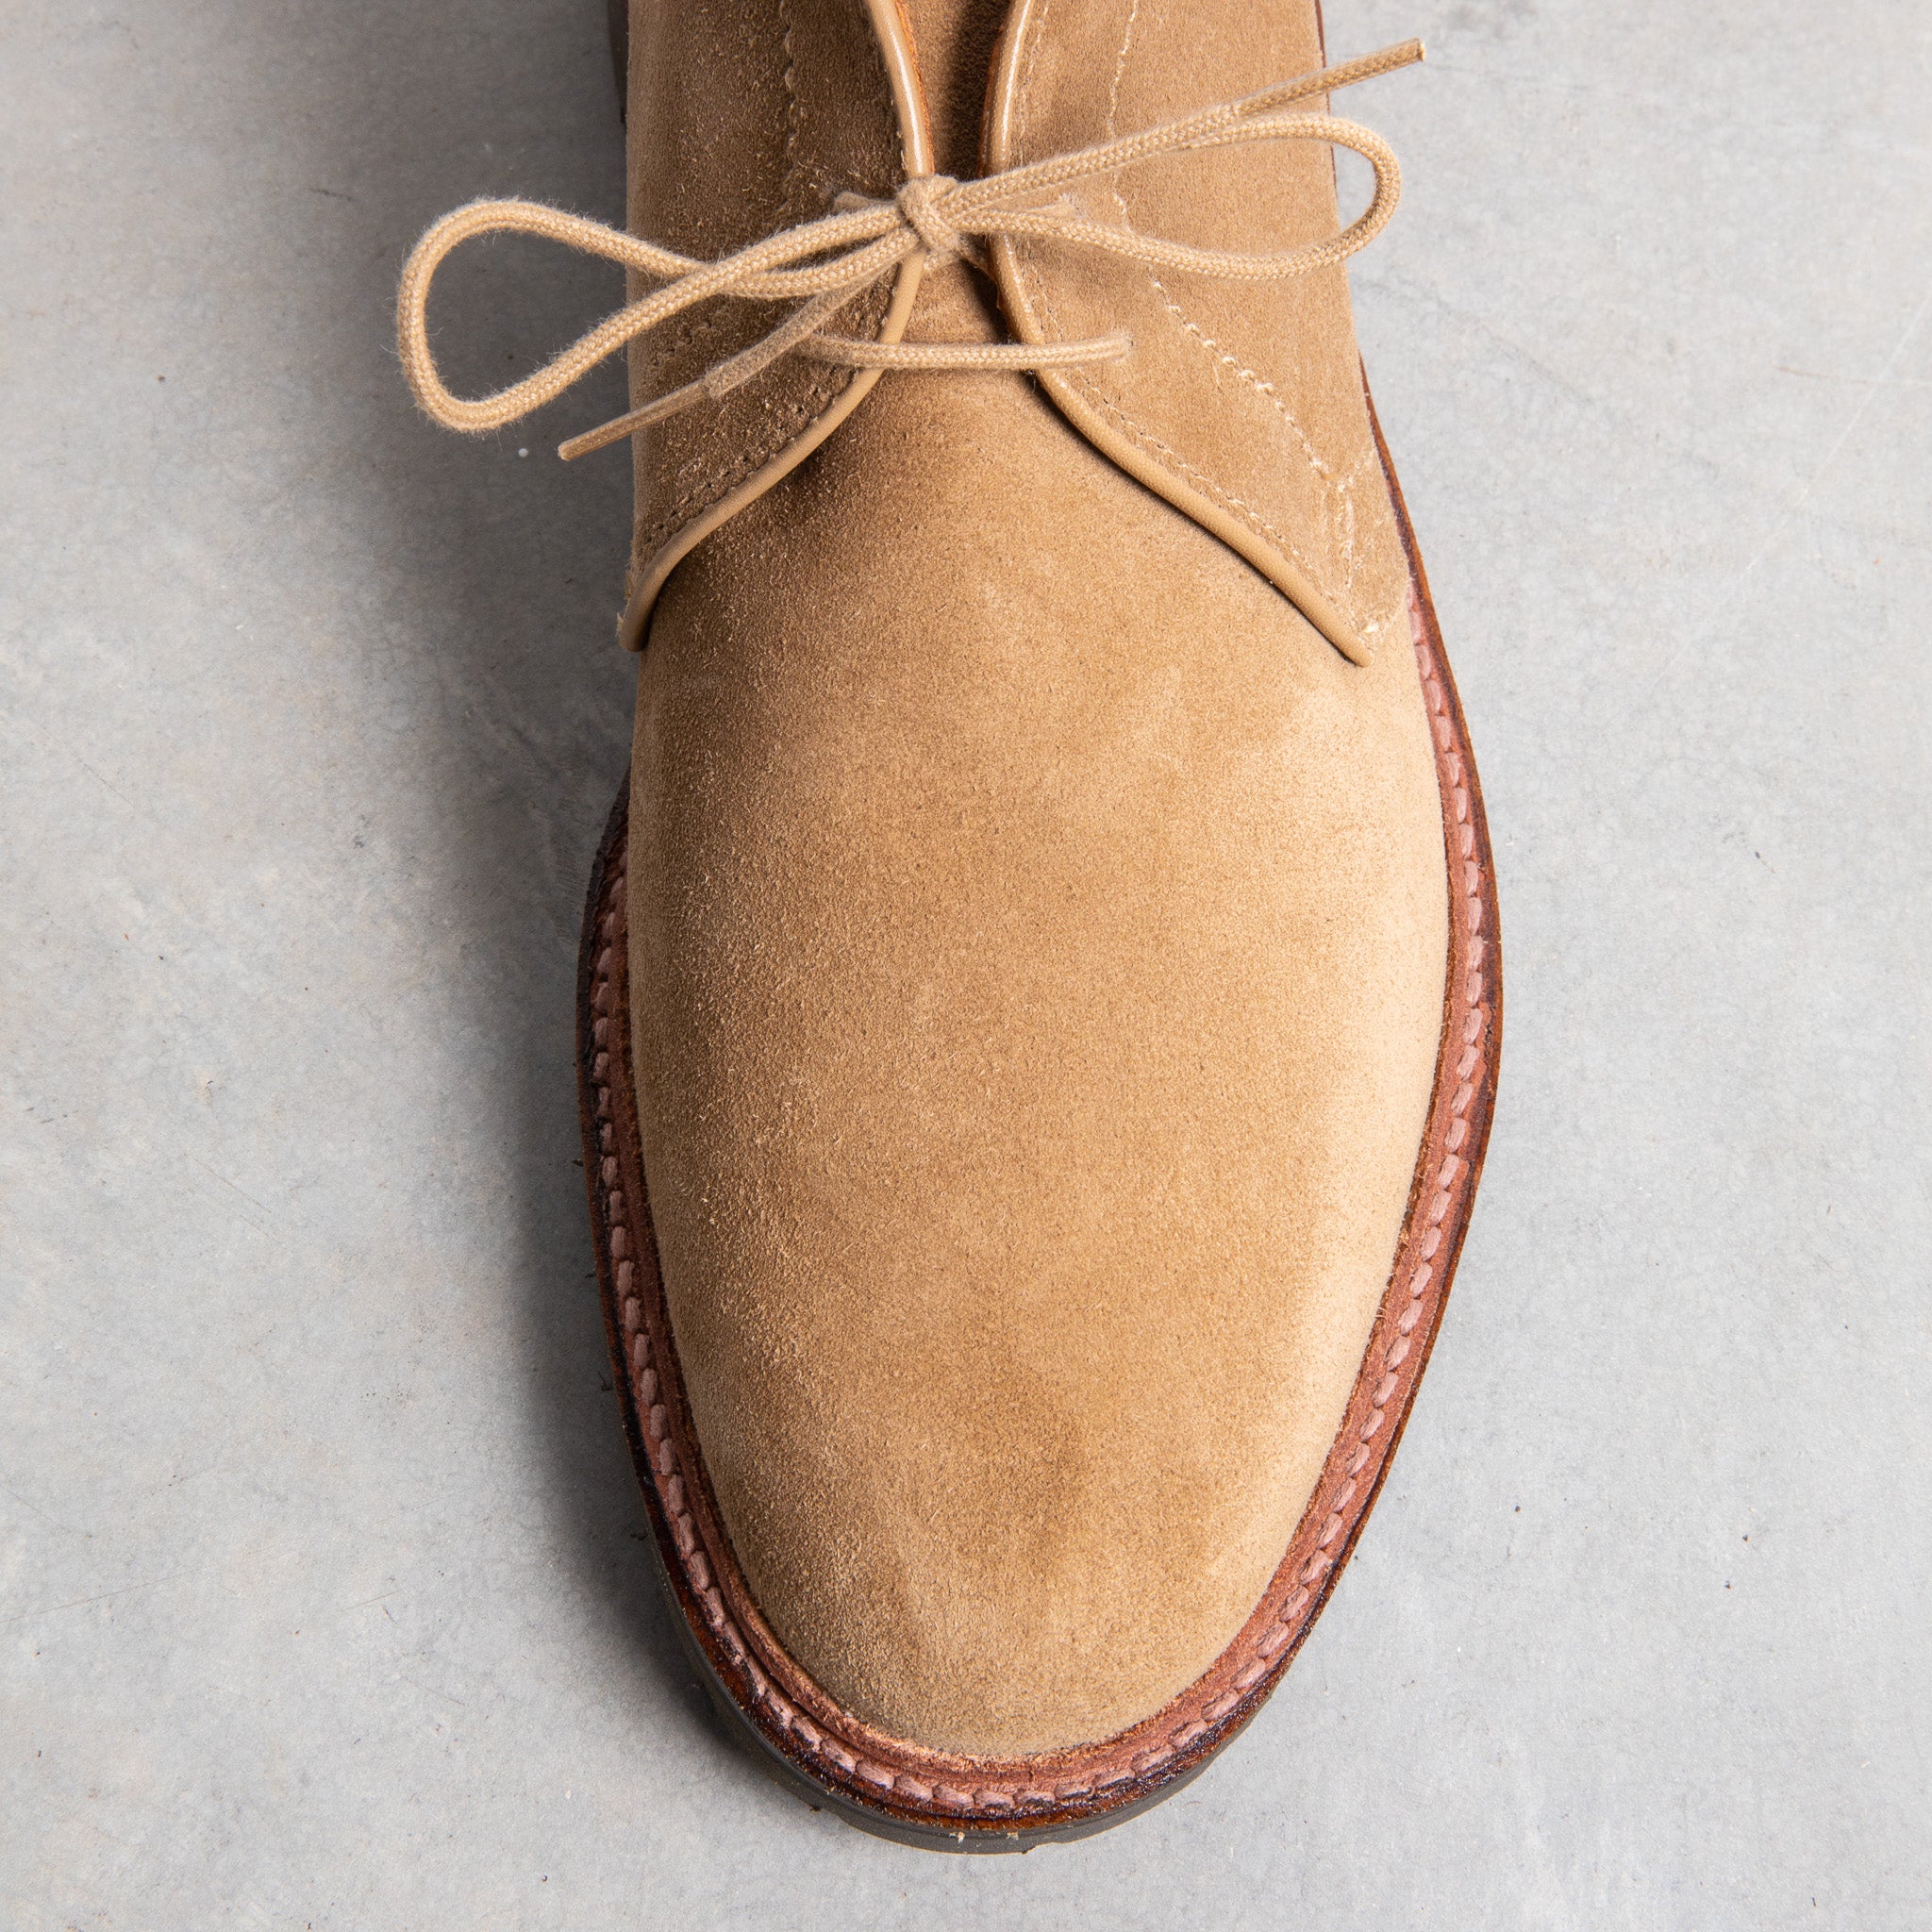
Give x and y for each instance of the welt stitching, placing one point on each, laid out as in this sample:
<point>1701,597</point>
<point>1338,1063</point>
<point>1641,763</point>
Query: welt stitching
<point>1271,1645</point>
<point>1438,1197</point>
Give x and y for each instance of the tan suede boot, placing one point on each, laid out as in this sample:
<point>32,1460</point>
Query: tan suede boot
<point>1040,992</point>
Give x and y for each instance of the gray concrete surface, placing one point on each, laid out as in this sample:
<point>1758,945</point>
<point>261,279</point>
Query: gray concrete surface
<point>324,1600</point>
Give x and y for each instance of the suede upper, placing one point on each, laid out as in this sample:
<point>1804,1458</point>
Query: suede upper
<point>743,118</point>
<point>1038,949</point>
<point>1240,403</point>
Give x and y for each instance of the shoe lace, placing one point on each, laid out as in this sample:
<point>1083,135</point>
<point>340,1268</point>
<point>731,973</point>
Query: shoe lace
<point>862,240</point>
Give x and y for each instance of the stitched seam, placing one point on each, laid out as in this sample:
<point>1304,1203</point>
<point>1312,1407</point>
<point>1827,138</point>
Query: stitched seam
<point>1173,305</point>
<point>825,385</point>
<point>1145,437</point>
<point>657,361</point>
<point>1337,487</point>
<point>1273,1644</point>
<point>823,389</point>
<point>699,496</point>
<point>709,486</point>
<point>1032,63</point>
<point>1120,69</point>
<point>793,118</point>
<point>1258,383</point>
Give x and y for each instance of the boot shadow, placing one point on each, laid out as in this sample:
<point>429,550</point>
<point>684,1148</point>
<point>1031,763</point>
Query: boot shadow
<point>493,584</point>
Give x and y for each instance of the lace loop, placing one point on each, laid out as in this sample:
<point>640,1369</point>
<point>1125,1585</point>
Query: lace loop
<point>825,264</point>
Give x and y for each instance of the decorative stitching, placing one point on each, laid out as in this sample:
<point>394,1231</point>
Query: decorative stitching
<point>1259,1654</point>
<point>659,360</point>
<point>709,486</point>
<point>1145,437</point>
<point>791,107</point>
<point>1147,440</point>
<point>1338,486</point>
<point>822,387</point>
<point>1254,381</point>
<point>1120,70</point>
<point>1258,383</point>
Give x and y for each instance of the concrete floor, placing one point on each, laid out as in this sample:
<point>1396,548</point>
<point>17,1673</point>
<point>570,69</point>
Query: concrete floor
<point>323,1603</point>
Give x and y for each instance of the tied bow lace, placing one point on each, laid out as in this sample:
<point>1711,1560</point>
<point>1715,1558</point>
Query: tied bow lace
<point>863,240</point>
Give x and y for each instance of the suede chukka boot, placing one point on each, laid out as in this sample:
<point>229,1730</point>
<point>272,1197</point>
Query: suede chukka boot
<point>1040,992</point>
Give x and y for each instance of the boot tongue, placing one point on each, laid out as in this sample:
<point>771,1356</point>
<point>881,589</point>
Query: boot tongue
<point>956,40</point>
<point>953,41</point>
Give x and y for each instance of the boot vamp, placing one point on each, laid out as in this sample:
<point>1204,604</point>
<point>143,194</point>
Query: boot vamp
<point>1038,954</point>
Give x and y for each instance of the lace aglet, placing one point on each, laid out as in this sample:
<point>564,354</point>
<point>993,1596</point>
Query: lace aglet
<point>587,444</point>
<point>1372,66</point>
